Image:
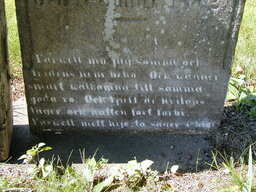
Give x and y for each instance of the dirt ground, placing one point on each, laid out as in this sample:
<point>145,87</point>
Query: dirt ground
<point>236,133</point>
<point>206,181</point>
<point>17,88</point>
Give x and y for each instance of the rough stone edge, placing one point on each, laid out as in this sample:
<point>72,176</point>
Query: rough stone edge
<point>24,33</point>
<point>233,36</point>
<point>234,32</point>
<point>5,92</point>
<point>26,44</point>
<point>230,51</point>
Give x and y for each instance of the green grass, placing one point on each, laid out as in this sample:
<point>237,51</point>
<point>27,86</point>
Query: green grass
<point>245,56</point>
<point>240,181</point>
<point>13,39</point>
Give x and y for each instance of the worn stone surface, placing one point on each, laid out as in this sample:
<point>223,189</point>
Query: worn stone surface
<point>5,97</point>
<point>129,66</point>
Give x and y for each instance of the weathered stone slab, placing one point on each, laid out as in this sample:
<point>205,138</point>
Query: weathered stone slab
<point>127,64</point>
<point>5,96</point>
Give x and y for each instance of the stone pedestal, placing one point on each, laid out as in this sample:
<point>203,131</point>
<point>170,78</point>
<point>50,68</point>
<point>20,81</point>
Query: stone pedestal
<point>5,96</point>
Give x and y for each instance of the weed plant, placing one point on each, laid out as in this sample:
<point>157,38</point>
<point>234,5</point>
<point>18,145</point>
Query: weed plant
<point>241,182</point>
<point>52,176</point>
<point>236,169</point>
<point>243,94</point>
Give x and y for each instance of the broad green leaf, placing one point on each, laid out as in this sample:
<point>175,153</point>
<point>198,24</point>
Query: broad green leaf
<point>47,170</point>
<point>31,152</point>
<point>88,174</point>
<point>41,145</point>
<point>131,167</point>
<point>243,95</point>
<point>42,162</point>
<point>23,157</point>
<point>242,76</point>
<point>237,81</point>
<point>174,168</point>
<point>46,148</point>
<point>106,183</point>
<point>238,69</point>
<point>146,164</point>
<point>233,93</point>
<point>91,162</point>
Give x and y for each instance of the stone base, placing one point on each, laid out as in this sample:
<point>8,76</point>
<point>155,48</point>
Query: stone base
<point>190,152</point>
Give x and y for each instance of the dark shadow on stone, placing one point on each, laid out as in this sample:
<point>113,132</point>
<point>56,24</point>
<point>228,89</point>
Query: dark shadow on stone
<point>190,152</point>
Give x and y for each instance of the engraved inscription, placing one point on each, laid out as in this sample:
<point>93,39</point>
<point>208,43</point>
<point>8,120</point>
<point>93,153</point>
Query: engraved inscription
<point>48,58</point>
<point>127,64</point>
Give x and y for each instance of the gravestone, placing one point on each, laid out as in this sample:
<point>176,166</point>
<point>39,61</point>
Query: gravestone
<point>5,96</point>
<point>127,65</point>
